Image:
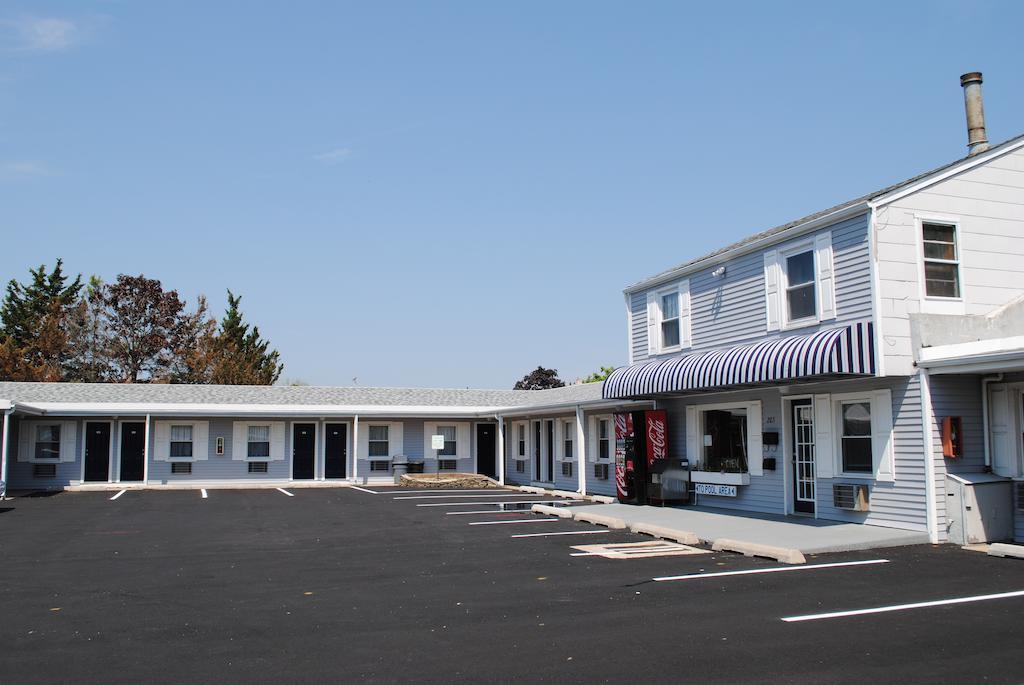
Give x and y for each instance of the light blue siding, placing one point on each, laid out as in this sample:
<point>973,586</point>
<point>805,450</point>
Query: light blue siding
<point>223,467</point>
<point>19,473</point>
<point>730,310</point>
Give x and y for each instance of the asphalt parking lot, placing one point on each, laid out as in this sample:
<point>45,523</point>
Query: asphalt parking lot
<point>345,585</point>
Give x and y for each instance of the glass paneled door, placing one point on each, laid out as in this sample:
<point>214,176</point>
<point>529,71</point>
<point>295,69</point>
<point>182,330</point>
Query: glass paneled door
<point>803,456</point>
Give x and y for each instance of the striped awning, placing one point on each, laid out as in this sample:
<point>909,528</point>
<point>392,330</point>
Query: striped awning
<point>836,352</point>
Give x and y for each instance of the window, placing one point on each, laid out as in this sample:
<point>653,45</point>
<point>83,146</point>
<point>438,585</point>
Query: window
<point>725,440</point>
<point>257,467</point>
<point>941,260</point>
<point>670,320</point>
<point>521,431</point>
<point>258,442</point>
<point>449,441</point>
<point>181,468</point>
<point>181,441</point>
<point>856,436</point>
<point>604,440</point>
<point>446,464</point>
<point>48,442</point>
<point>800,301</point>
<point>567,432</point>
<point>378,439</point>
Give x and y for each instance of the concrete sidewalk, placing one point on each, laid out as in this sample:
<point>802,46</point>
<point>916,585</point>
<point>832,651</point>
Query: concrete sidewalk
<point>808,536</point>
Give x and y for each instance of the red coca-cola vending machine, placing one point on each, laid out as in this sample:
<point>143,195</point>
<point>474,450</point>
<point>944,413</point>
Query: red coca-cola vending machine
<point>641,447</point>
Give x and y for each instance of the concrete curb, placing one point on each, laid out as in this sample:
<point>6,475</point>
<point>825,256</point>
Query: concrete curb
<point>603,499</point>
<point>566,494</point>
<point>683,537</point>
<point>532,490</point>
<point>785,555</point>
<point>600,520</point>
<point>560,512</point>
<point>1002,549</point>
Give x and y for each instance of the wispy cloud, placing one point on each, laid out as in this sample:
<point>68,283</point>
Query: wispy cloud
<point>42,34</point>
<point>334,156</point>
<point>23,169</point>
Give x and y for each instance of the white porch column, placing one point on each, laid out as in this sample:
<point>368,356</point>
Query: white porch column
<point>355,447</point>
<point>145,453</point>
<point>581,451</point>
<point>501,449</point>
<point>4,440</point>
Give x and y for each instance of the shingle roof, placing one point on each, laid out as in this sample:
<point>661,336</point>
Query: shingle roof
<point>118,393</point>
<point>816,215</point>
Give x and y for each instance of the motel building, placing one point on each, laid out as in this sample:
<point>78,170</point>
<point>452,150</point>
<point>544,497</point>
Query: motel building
<point>862,364</point>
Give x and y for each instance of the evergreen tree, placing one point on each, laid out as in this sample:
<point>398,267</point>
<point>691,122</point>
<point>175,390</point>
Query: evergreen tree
<point>242,357</point>
<point>540,379</point>
<point>34,325</point>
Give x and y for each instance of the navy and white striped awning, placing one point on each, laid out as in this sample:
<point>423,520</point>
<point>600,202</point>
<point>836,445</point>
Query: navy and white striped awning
<point>836,352</point>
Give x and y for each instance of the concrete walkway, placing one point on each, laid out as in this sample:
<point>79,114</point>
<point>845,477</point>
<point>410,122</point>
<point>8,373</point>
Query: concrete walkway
<point>809,536</point>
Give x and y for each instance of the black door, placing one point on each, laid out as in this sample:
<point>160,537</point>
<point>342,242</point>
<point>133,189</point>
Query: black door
<point>133,441</point>
<point>536,451</point>
<point>303,444</point>
<point>551,450</point>
<point>485,450</point>
<point>97,451</point>
<point>336,450</point>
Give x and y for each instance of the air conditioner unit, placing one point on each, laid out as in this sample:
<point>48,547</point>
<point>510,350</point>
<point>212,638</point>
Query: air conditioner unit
<point>567,468</point>
<point>1020,496</point>
<point>850,496</point>
<point>601,471</point>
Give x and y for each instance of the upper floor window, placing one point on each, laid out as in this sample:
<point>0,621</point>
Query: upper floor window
<point>800,299</point>
<point>181,441</point>
<point>378,441</point>
<point>670,320</point>
<point>48,441</point>
<point>258,441</point>
<point>941,260</point>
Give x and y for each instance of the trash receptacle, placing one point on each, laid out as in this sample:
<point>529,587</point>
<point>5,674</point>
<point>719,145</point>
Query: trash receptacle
<point>399,467</point>
<point>416,466</point>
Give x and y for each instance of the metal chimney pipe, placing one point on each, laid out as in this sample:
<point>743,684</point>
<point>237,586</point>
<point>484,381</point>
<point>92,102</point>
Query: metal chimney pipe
<point>977,140</point>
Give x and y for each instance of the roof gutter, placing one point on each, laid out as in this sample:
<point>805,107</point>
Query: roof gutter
<point>753,246</point>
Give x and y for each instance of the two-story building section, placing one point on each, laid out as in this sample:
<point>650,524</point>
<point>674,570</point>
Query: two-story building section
<point>831,367</point>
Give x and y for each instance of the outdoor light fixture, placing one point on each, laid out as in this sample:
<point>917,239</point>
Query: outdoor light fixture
<point>719,272</point>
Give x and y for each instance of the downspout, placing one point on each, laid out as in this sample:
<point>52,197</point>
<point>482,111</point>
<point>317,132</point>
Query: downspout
<point>984,416</point>
<point>501,448</point>
<point>145,453</point>
<point>3,449</point>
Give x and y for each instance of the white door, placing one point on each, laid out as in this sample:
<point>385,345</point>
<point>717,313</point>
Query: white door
<point>803,457</point>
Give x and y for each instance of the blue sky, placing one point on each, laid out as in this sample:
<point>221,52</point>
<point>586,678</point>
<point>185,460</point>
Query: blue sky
<point>453,193</point>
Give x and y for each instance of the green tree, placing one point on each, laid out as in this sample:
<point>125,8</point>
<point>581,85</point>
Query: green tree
<point>34,325</point>
<point>599,375</point>
<point>540,379</point>
<point>242,357</point>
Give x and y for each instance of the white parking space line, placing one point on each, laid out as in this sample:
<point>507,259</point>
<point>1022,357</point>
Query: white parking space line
<point>497,504</point>
<point>203,493</point>
<point>501,523</point>
<point>480,512</point>
<point>503,494</point>
<point>118,495</point>
<point>773,569</point>
<point>421,490</point>
<point>285,492</point>
<point>904,607</point>
<point>563,532</point>
<point>356,487</point>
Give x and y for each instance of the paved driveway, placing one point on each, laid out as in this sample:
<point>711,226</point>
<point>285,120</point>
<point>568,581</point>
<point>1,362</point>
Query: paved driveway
<point>348,586</point>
